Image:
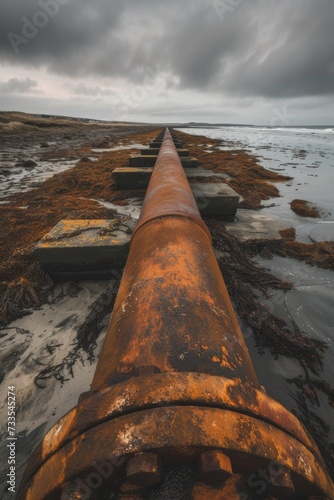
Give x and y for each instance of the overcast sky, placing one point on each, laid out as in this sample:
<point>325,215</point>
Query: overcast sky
<point>267,62</point>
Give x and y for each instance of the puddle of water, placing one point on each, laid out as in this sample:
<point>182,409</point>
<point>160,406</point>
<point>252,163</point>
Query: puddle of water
<point>22,179</point>
<point>132,210</point>
<point>118,148</point>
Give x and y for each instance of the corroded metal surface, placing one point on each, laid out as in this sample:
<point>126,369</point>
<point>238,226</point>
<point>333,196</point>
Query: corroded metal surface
<point>169,193</point>
<point>172,311</point>
<point>175,409</point>
<point>181,435</point>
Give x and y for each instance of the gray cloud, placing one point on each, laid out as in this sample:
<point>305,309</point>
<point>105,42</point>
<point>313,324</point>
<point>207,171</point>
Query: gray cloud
<point>83,89</point>
<point>189,39</point>
<point>66,44</point>
<point>302,64</point>
<point>16,86</point>
<point>266,49</point>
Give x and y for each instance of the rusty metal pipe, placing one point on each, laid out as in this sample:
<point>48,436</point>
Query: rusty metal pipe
<point>174,384</point>
<point>172,312</point>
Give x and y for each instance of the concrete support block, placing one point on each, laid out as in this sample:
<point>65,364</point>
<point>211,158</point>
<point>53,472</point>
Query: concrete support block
<point>150,152</point>
<point>216,200</point>
<point>190,162</point>
<point>142,161</point>
<point>139,178</point>
<point>132,178</point>
<point>155,152</point>
<point>149,161</point>
<point>159,141</point>
<point>205,174</point>
<point>183,152</point>
<point>84,247</point>
<point>157,144</point>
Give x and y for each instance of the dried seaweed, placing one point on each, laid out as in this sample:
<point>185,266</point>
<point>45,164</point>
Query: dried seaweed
<point>315,254</point>
<point>243,276</point>
<point>86,337</point>
<point>25,292</point>
<point>304,208</point>
<point>306,399</point>
<point>310,388</point>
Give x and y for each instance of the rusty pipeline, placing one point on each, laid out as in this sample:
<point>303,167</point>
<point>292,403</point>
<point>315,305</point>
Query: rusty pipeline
<point>175,408</point>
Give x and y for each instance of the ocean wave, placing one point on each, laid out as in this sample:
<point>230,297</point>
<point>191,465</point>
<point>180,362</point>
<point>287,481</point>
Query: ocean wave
<point>305,130</point>
<point>296,130</point>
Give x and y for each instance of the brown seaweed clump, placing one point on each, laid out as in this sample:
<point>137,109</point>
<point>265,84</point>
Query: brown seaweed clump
<point>27,290</point>
<point>319,254</point>
<point>304,209</point>
<point>288,234</point>
<point>251,202</point>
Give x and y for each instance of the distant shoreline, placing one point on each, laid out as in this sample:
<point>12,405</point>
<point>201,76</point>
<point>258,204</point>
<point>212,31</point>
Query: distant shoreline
<point>5,115</point>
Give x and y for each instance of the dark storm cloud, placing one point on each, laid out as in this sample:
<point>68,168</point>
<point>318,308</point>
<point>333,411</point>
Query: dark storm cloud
<point>302,64</point>
<point>264,48</point>
<point>16,86</point>
<point>59,34</point>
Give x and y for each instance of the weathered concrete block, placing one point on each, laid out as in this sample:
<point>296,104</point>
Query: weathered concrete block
<point>158,144</point>
<point>216,199</point>
<point>150,152</point>
<point>203,173</point>
<point>149,161</point>
<point>191,162</point>
<point>131,178</point>
<point>75,246</point>
<point>183,152</point>
<point>155,152</point>
<point>136,177</point>
<point>142,161</point>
